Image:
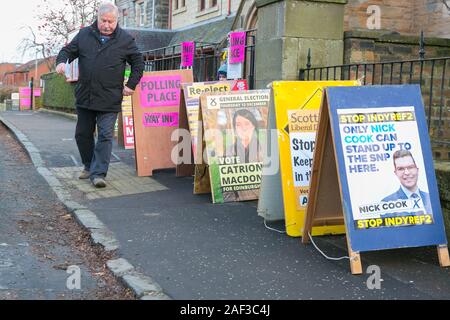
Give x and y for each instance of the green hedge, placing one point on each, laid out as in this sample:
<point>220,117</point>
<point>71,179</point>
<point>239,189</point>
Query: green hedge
<point>58,94</point>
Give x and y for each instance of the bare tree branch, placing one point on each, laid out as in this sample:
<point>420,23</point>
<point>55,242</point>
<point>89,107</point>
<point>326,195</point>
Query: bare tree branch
<point>57,25</point>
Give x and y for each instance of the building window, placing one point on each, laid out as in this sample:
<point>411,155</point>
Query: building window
<point>140,13</point>
<point>179,4</point>
<point>205,4</point>
<point>125,18</point>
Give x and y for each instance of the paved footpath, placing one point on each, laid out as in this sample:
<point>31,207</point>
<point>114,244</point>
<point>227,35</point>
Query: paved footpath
<point>40,241</point>
<point>188,248</point>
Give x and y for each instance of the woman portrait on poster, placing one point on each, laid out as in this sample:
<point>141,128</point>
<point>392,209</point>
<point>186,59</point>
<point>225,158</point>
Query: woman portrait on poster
<point>247,147</point>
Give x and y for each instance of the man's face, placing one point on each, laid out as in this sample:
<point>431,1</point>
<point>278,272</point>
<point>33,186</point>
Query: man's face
<point>107,23</point>
<point>407,172</point>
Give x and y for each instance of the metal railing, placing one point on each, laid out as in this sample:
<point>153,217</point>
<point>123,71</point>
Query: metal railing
<point>432,74</point>
<point>207,59</point>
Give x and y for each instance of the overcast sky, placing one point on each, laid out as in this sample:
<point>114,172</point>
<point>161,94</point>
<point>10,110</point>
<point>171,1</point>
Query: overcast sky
<point>14,16</point>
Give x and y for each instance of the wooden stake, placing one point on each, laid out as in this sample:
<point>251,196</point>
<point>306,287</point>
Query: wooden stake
<point>355,260</point>
<point>444,259</point>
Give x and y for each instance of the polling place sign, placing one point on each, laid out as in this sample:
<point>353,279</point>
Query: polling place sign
<point>155,117</point>
<point>373,165</point>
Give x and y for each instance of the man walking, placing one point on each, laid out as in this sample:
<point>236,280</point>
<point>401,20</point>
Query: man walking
<point>103,50</point>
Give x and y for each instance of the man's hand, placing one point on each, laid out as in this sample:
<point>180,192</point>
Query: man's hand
<point>61,68</point>
<point>127,91</point>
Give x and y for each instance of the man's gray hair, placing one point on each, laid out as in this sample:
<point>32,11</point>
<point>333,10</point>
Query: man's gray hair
<point>107,7</point>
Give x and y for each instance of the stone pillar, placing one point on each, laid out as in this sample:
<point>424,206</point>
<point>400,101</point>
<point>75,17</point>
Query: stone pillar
<point>288,28</point>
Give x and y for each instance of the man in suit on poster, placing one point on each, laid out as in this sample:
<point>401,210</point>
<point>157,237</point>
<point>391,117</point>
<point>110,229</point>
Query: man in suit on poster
<point>407,172</point>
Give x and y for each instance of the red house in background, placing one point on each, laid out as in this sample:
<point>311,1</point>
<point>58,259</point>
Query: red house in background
<point>21,75</point>
<point>6,68</point>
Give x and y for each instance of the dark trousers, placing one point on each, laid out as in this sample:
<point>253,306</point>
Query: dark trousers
<point>95,156</point>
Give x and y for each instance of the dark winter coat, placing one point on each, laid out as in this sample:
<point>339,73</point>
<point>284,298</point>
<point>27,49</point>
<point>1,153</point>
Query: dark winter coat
<point>102,67</point>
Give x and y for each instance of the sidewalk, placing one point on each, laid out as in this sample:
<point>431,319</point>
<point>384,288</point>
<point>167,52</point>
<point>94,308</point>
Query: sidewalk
<point>191,249</point>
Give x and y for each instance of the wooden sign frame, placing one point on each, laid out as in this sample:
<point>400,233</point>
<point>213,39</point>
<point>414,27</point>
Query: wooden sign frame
<point>184,169</point>
<point>189,109</point>
<point>190,113</point>
<point>329,196</point>
<point>153,141</point>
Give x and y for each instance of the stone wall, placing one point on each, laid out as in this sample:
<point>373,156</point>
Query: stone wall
<point>287,29</point>
<point>407,17</point>
<point>371,46</point>
<point>396,15</point>
<point>376,46</point>
<point>443,180</point>
<point>433,17</point>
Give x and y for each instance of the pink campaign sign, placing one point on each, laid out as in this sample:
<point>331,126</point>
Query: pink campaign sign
<point>161,119</point>
<point>187,54</point>
<point>160,91</point>
<point>25,102</point>
<point>25,91</point>
<point>237,47</point>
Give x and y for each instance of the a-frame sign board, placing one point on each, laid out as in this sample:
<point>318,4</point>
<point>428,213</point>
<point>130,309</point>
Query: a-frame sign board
<point>270,202</point>
<point>188,163</point>
<point>235,127</point>
<point>293,115</point>
<point>156,104</point>
<point>373,167</point>
<point>185,161</point>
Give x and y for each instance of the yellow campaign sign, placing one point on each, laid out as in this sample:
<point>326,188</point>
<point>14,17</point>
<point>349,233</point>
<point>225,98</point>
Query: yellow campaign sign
<point>297,105</point>
<point>127,107</point>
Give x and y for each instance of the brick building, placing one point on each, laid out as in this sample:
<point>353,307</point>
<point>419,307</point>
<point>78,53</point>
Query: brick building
<point>407,17</point>
<point>6,68</point>
<point>21,75</point>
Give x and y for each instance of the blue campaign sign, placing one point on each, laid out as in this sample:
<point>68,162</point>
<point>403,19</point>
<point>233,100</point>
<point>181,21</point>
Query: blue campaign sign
<point>383,153</point>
